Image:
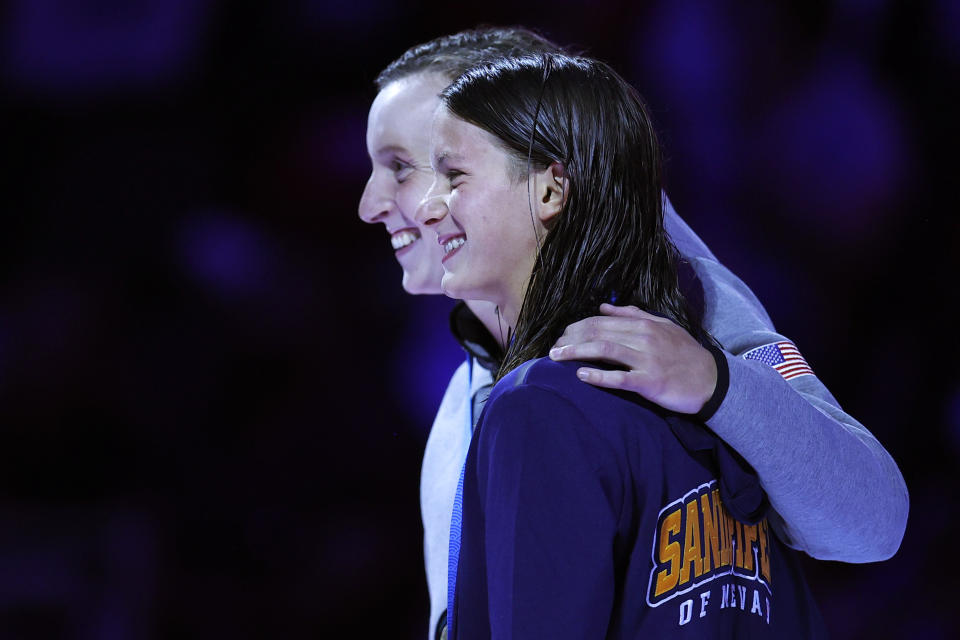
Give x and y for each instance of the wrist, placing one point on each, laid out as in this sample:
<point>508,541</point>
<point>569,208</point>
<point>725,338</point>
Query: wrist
<point>720,389</point>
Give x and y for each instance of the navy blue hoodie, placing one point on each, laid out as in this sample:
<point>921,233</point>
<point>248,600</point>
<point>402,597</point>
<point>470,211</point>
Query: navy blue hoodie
<point>587,514</point>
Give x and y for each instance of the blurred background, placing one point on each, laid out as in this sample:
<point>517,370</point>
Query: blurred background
<point>214,394</point>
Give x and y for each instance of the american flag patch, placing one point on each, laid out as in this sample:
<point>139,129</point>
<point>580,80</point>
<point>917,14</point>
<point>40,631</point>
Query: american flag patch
<point>782,356</point>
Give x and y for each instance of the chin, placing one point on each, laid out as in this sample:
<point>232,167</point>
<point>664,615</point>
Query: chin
<point>415,287</point>
<point>452,289</point>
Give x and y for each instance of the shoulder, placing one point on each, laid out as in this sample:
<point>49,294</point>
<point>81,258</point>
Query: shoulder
<point>459,377</point>
<point>688,243</point>
<point>542,372</point>
<point>457,390</point>
<point>535,422</point>
<point>536,382</point>
<point>449,436</point>
<point>546,382</point>
<point>546,392</point>
<point>560,378</point>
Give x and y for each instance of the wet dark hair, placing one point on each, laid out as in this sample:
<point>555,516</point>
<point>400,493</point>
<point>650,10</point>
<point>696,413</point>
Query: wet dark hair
<point>451,55</point>
<point>609,242</point>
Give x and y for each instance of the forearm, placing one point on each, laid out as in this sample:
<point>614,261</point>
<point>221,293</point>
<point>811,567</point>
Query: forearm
<point>839,492</point>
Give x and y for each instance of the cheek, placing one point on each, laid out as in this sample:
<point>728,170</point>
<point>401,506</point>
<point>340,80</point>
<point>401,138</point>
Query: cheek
<point>491,220</point>
<point>433,253</point>
<point>409,195</point>
<point>512,228</point>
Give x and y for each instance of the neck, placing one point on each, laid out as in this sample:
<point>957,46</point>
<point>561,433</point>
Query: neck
<point>501,319</point>
<point>496,323</point>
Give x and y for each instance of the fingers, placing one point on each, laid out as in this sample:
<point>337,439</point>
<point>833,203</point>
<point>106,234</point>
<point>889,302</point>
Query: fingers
<point>600,350</point>
<point>622,380</point>
<point>629,311</point>
<point>633,339</point>
<point>618,329</point>
<point>660,360</point>
<point>602,378</point>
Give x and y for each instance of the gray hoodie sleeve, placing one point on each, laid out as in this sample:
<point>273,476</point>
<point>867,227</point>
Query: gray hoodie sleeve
<point>837,493</point>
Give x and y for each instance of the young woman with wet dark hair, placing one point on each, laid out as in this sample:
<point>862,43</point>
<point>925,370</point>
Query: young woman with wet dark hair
<point>585,513</point>
<point>610,244</point>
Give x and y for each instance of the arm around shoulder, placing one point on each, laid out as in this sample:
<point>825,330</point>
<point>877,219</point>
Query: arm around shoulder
<point>839,493</point>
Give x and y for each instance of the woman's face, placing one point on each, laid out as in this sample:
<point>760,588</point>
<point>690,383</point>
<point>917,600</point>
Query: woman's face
<point>398,141</point>
<point>484,221</point>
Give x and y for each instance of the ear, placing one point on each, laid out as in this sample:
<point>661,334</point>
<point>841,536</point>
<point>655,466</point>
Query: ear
<point>551,188</point>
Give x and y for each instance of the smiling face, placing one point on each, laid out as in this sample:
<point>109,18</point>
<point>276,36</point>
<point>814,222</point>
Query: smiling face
<point>398,141</point>
<point>481,214</point>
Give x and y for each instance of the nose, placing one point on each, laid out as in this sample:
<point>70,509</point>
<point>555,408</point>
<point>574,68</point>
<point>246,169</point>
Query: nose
<point>374,205</point>
<point>432,209</point>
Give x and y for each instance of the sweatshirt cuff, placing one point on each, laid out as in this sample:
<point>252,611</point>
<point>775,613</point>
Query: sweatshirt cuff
<point>723,383</point>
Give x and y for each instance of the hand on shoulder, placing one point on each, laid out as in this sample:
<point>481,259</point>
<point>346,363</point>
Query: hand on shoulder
<point>664,363</point>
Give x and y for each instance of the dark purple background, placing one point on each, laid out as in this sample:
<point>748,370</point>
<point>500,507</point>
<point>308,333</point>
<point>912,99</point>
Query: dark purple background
<point>214,394</point>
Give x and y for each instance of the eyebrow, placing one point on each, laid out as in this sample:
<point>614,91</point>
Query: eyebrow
<point>445,156</point>
<point>391,148</point>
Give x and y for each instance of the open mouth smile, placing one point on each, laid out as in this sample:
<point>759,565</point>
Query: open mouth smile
<point>403,238</point>
<point>451,244</point>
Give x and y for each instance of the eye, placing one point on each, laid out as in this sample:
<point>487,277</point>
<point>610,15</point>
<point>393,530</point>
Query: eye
<point>401,170</point>
<point>452,175</point>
